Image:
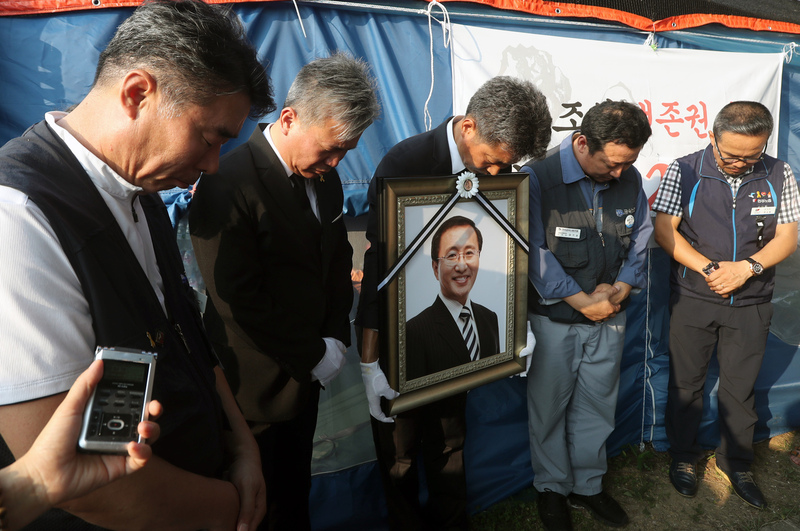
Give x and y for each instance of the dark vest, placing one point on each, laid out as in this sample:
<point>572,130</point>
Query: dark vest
<point>125,310</point>
<point>590,258</point>
<point>725,228</point>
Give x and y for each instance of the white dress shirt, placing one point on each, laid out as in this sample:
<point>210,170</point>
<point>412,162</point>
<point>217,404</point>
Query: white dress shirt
<point>46,336</point>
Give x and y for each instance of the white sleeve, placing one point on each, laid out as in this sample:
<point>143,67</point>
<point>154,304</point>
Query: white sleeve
<point>46,336</point>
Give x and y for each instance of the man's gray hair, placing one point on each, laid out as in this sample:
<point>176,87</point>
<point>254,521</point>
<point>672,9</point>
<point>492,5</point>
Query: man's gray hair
<point>195,51</point>
<point>749,118</point>
<point>512,113</point>
<point>339,88</point>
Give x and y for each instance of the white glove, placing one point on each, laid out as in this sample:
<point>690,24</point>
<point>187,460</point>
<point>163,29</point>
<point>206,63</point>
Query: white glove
<point>377,386</point>
<point>331,363</point>
<point>527,351</point>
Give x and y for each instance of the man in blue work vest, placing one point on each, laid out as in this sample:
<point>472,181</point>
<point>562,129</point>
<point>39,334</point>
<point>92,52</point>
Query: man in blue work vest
<point>589,227</point>
<point>726,215</point>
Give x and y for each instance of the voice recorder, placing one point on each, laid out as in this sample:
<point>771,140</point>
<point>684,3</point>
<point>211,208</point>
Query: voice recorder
<point>119,401</point>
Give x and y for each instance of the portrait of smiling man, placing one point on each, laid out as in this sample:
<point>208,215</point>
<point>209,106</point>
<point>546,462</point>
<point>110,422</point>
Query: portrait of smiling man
<point>454,330</point>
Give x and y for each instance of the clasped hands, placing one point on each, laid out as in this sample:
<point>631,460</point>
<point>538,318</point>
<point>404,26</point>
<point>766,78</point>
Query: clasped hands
<point>605,302</point>
<point>729,277</point>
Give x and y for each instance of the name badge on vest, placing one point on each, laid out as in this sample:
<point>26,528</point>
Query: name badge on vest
<point>762,211</point>
<point>567,233</point>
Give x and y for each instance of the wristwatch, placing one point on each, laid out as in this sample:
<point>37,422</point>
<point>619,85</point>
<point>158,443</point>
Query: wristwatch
<point>755,267</point>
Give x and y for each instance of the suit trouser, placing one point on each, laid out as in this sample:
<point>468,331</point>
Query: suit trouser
<point>572,397</point>
<point>740,335</point>
<point>286,449</point>
<point>438,431</point>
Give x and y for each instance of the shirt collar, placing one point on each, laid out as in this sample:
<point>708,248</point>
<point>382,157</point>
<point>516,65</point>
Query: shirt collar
<point>455,157</point>
<point>272,145</point>
<point>99,172</point>
<point>454,307</point>
<point>571,170</point>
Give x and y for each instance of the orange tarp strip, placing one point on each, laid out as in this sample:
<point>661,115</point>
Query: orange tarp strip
<point>567,10</point>
<point>534,7</point>
<point>35,7</point>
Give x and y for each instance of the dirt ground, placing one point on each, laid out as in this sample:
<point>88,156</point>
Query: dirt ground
<point>640,482</point>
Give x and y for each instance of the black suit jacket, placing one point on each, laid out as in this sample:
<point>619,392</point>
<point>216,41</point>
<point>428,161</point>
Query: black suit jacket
<point>434,342</point>
<point>278,281</point>
<point>423,154</point>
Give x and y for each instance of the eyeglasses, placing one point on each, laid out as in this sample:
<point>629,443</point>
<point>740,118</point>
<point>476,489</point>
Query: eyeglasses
<point>453,257</point>
<point>744,160</point>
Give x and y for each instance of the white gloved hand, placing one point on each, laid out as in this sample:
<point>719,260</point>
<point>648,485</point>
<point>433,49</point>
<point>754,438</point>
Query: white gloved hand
<point>377,386</point>
<point>331,363</point>
<point>527,351</point>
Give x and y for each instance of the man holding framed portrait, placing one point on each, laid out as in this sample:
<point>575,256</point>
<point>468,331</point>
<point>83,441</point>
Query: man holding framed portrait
<point>506,119</point>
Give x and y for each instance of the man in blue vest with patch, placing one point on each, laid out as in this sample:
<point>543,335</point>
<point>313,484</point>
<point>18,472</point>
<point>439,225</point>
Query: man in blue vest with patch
<point>726,215</point>
<point>589,228</point>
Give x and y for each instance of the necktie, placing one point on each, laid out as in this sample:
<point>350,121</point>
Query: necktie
<point>301,195</point>
<point>299,187</point>
<point>468,331</point>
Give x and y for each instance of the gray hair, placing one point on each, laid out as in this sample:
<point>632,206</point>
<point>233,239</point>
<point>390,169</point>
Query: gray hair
<point>339,88</point>
<point>194,50</point>
<point>749,118</point>
<point>512,113</point>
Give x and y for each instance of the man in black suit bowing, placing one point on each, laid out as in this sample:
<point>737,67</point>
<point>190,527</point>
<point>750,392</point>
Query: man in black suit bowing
<point>454,330</point>
<point>506,120</point>
<point>273,250</point>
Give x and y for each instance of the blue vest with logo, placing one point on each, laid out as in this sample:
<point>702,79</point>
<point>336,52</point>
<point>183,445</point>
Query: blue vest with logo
<point>724,227</point>
<point>590,258</point>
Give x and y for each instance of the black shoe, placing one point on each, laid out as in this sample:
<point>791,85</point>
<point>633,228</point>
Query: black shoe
<point>553,511</point>
<point>683,477</point>
<point>603,508</point>
<point>745,487</point>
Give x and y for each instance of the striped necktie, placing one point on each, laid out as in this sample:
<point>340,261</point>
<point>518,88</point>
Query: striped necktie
<point>468,331</point>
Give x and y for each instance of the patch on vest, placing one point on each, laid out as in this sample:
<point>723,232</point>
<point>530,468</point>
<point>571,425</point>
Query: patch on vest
<point>629,221</point>
<point>623,211</point>
<point>567,233</point>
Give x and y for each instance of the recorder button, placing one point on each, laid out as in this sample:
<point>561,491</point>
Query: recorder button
<point>115,424</point>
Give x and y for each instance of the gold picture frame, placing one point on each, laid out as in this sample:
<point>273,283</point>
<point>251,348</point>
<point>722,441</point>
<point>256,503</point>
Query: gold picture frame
<point>411,209</point>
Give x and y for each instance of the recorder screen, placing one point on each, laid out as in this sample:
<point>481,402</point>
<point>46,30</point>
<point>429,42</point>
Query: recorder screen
<point>124,373</point>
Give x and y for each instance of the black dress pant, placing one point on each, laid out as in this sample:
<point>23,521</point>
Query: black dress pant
<point>740,336</point>
<point>286,449</point>
<point>436,433</point>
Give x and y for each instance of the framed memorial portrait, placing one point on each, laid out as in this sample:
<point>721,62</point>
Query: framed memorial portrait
<point>454,289</point>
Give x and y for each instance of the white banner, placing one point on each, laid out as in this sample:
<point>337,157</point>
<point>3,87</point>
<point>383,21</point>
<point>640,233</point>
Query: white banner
<point>681,90</point>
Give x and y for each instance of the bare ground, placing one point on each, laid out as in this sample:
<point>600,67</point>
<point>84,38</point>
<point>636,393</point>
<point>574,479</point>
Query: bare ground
<point>639,481</point>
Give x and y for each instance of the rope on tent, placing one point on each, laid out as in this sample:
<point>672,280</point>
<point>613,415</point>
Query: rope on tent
<point>446,37</point>
<point>788,51</point>
<point>651,39</point>
<point>300,19</point>
<point>648,354</point>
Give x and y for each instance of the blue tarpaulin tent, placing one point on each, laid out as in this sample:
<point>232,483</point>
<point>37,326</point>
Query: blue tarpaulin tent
<point>47,63</point>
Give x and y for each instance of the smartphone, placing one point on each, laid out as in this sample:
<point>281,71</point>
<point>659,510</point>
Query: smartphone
<point>119,401</point>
